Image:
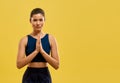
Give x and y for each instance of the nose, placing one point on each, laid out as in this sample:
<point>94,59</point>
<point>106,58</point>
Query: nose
<point>38,22</point>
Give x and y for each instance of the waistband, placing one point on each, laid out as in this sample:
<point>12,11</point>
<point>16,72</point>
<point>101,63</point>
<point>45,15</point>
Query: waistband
<point>37,69</point>
<point>34,68</point>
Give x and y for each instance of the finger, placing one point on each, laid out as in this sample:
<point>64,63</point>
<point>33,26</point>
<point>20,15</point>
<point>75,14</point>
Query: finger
<point>38,41</point>
<point>38,36</point>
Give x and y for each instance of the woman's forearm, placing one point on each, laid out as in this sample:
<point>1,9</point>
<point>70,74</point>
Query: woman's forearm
<point>24,61</point>
<point>52,61</point>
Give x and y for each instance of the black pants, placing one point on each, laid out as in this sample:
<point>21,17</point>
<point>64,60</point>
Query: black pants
<point>37,75</point>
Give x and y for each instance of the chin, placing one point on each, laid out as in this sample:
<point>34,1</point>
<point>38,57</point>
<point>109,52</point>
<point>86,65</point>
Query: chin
<point>38,29</point>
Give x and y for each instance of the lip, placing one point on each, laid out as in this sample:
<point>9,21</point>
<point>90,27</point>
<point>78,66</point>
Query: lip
<point>38,27</point>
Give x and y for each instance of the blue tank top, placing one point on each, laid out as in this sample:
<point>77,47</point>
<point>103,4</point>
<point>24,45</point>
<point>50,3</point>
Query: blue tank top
<point>31,45</point>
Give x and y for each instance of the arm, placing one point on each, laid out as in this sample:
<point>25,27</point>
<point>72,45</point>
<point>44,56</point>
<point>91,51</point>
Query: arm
<point>22,60</point>
<point>53,60</point>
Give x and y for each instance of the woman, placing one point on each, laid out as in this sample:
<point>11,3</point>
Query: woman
<point>35,49</point>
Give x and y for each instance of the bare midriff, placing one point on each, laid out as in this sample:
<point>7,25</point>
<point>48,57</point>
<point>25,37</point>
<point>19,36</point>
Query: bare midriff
<point>37,64</point>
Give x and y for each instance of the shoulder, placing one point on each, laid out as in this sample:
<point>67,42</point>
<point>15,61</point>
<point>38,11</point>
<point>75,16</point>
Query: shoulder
<point>52,39</point>
<point>23,40</point>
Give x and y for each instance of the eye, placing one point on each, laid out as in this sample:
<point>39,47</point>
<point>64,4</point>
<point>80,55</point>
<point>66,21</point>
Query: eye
<point>34,20</point>
<point>41,19</point>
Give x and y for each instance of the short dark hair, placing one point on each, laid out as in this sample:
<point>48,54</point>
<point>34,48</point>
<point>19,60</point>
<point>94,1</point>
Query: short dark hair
<point>37,11</point>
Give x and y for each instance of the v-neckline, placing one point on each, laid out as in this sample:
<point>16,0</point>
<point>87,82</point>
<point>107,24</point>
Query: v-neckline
<point>41,38</point>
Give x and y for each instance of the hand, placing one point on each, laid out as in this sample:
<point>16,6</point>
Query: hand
<point>39,45</point>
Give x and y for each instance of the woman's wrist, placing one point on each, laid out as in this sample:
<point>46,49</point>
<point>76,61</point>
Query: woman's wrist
<point>36,51</point>
<point>42,51</point>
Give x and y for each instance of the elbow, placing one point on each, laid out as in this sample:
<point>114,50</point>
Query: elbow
<point>57,66</point>
<point>18,65</point>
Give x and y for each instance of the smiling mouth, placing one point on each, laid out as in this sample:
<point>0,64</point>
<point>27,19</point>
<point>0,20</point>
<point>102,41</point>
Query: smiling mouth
<point>38,27</point>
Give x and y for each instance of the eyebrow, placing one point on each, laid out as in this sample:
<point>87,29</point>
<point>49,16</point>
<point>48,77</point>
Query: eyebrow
<point>41,19</point>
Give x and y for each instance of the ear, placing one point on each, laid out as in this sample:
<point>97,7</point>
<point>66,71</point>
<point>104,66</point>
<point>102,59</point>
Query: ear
<point>30,20</point>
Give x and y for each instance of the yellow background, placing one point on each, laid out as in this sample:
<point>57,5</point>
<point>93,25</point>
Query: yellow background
<point>87,32</point>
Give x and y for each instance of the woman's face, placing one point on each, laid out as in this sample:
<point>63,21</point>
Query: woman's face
<point>37,21</point>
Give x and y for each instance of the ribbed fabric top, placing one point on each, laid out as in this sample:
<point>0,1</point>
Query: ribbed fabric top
<point>31,45</point>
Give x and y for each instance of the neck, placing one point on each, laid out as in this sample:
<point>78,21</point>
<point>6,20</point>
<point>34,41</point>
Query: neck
<point>37,33</point>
